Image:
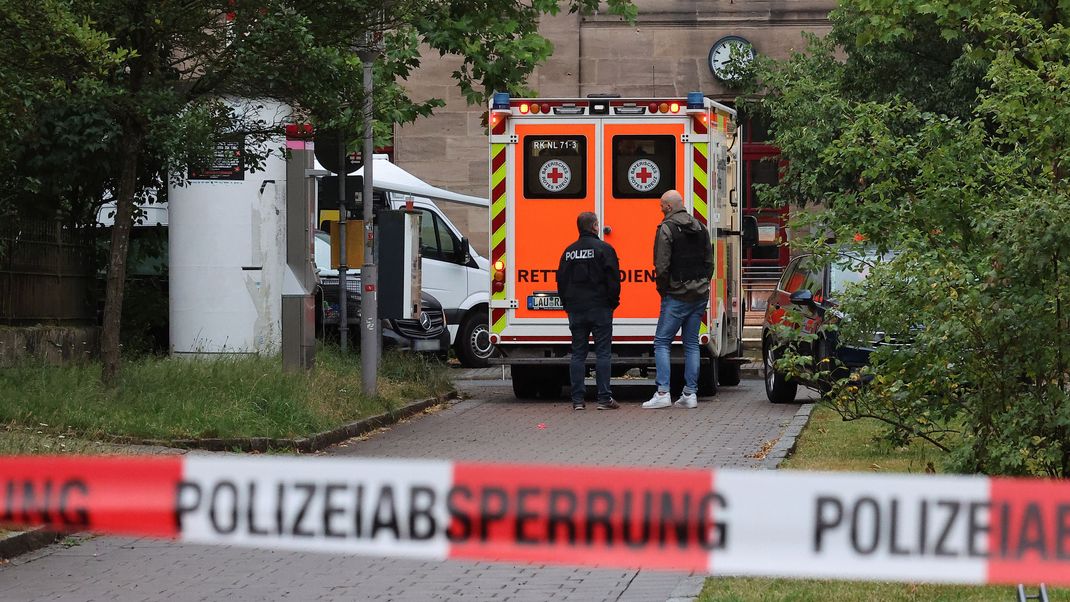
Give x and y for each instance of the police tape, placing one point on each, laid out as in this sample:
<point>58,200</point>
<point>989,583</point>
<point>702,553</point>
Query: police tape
<point>723,522</point>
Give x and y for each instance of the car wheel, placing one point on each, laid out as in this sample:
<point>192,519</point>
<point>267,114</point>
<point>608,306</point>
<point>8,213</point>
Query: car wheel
<point>473,341</point>
<point>728,373</point>
<point>525,381</point>
<point>777,387</point>
<point>707,378</point>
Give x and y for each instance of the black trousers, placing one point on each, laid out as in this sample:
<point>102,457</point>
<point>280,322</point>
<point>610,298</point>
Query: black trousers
<point>596,322</point>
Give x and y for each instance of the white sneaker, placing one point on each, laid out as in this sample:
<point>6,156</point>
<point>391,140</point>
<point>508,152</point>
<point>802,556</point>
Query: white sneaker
<point>688,400</point>
<point>659,400</point>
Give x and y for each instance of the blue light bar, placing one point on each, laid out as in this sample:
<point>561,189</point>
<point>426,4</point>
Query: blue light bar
<point>501,100</point>
<point>694,100</point>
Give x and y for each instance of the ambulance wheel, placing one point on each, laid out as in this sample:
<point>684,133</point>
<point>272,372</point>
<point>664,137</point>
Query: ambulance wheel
<point>473,341</point>
<point>525,381</point>
<point>676,380</point>
<point>728,373</point>
<point>550,382</point>
<point>707,378</point>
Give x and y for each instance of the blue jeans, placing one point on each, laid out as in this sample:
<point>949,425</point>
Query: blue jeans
<point>597,321</point>
<point>676,314</point>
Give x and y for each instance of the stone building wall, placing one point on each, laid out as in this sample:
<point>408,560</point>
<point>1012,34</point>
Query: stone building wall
<point>664,53</point>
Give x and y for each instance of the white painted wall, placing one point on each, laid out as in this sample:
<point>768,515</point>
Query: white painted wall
<point>227,258</point>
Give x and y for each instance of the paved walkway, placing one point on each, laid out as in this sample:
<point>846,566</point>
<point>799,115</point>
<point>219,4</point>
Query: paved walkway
<point>726,430</point>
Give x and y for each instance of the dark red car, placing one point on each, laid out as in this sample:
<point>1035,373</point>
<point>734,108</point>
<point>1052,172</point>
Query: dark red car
<point>805,297</point>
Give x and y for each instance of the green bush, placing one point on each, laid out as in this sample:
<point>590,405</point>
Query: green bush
<point>966,178</point>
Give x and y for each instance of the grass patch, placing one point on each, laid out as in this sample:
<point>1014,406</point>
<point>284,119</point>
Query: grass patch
<point>785,590</point>
<point>828,443</point>
<point>165,398</point>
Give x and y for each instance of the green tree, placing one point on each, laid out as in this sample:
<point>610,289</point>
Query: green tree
<point>48,56</point>
<point>142,94</point>
<point>940,131</point>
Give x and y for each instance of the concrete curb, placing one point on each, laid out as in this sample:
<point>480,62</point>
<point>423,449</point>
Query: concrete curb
<point>27,541</point>
<point>312,443</point>
<point>688,589</point>
<point>787,442</point>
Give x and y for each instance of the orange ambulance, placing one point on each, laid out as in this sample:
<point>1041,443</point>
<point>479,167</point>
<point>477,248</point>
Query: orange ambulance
<point>552,158</point>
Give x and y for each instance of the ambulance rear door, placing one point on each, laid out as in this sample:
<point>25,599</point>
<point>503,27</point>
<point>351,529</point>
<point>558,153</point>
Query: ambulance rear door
<point>641,160</point>
<point>555,179</point>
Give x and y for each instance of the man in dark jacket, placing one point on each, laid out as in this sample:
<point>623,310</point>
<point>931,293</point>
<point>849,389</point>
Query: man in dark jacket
<point>683,265</point>
<point>588,280</point>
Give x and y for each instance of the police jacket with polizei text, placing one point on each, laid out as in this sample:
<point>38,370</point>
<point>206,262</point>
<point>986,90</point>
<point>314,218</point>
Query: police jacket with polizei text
<point>588,275</point>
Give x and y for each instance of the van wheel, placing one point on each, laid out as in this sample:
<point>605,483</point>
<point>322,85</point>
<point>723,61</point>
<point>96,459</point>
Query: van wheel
<point>777,387</point>
<point>473,341</point>
<point>707,378</point>
<point>525,381</point>
<point>728,373</point>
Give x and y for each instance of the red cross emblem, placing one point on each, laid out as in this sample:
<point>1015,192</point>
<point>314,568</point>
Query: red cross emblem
<point>555,175</point>
<point>644,175</point>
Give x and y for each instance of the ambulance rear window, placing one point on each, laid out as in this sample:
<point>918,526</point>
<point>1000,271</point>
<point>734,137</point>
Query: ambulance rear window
<point>555,167</point>
<point>644,167</point>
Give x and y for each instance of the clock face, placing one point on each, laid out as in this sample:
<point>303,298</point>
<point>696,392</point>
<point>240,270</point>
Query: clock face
<point>722,52</point>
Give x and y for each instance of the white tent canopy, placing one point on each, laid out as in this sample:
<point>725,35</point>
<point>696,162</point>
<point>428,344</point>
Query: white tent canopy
<point>388,176</point>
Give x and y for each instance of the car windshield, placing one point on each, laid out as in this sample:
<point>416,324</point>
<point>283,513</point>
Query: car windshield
<point>845,271</point>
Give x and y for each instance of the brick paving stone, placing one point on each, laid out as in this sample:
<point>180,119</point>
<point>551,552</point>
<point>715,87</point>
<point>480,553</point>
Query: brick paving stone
<point>725,430</point>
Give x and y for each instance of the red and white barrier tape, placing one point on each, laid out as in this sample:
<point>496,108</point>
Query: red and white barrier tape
<point>724,522</point>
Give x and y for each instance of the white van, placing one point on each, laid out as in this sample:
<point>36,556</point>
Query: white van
<point>452,271</point>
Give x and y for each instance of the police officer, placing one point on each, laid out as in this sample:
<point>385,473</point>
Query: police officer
<point>588,280</point>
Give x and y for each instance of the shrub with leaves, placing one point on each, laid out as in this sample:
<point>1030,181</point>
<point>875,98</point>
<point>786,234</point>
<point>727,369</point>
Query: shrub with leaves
<point>959,164</point>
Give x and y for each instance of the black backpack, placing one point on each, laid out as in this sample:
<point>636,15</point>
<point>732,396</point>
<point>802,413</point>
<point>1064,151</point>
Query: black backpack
<point>691,249</point>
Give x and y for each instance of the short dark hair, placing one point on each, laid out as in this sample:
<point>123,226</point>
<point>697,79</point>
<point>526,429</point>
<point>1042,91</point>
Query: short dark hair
<point>586,221</point>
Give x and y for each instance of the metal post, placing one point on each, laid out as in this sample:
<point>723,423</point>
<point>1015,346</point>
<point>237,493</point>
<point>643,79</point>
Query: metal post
<point>370,338</point>
<point>343,291</point>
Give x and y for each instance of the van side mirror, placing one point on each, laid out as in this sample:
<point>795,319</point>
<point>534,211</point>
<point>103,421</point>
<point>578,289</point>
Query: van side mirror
<point>461,254</point>
<point>749,231</point>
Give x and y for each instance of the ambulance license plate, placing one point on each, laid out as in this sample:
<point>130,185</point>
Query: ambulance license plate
<point>541,301</point>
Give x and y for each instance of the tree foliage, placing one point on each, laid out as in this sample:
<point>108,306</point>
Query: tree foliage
<point>939,131</point>
<point>118,96</point>
<point>48,56</point>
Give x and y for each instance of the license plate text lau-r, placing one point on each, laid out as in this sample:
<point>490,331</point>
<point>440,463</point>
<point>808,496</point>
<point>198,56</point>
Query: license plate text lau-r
<point>544,302</point>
